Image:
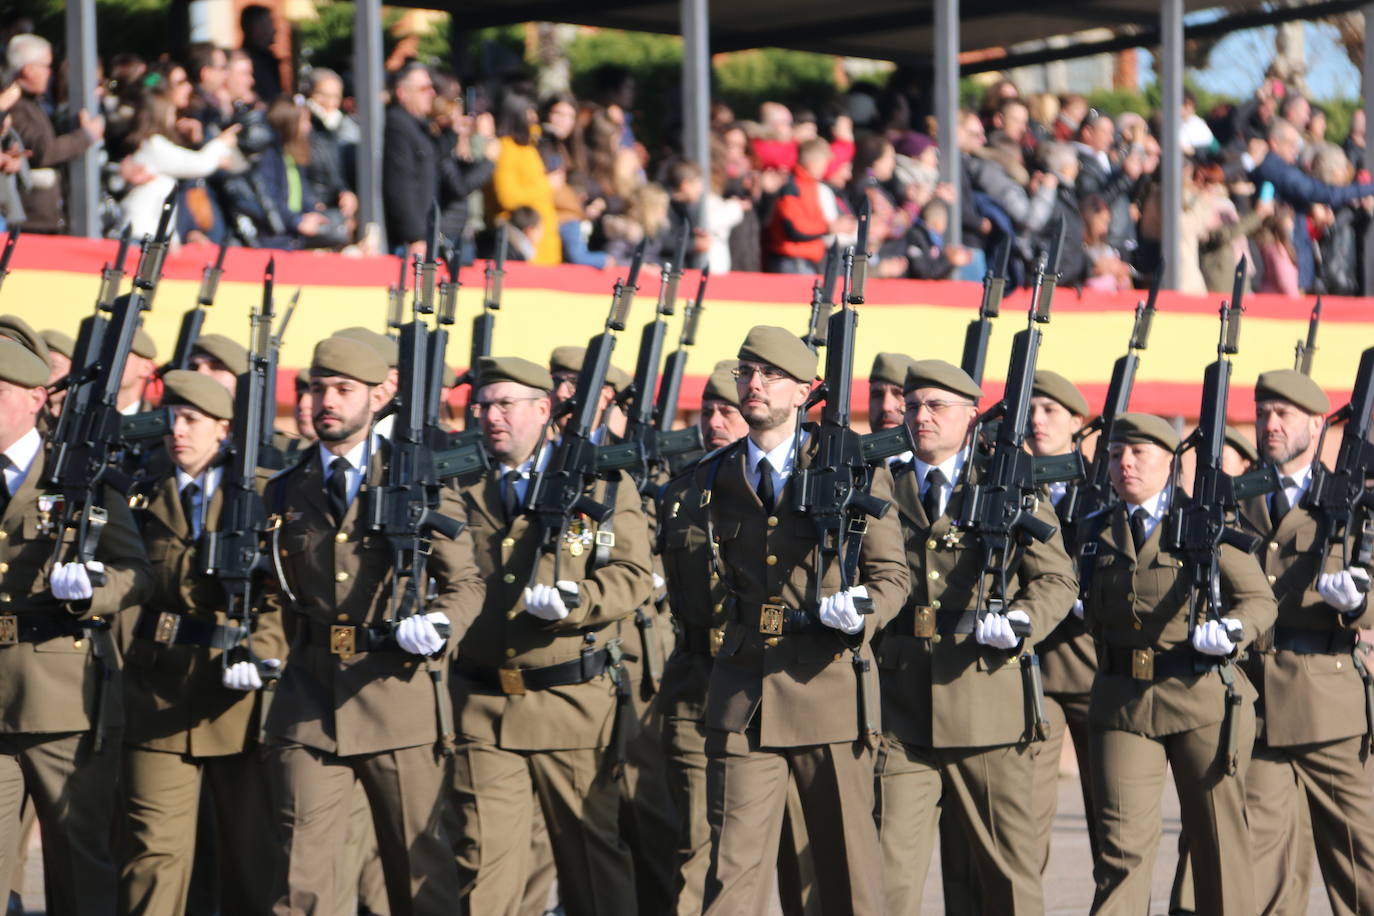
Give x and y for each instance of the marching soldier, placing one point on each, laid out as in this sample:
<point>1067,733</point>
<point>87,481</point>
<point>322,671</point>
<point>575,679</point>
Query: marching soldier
<point>1068,661</point>
<point>955,696</point>
<point>222,358</point>
<point>60,350</point>
<point>564,365</point>
<point>138,370</point>
<point>1312,750</point>
<point>1238,454</point>
<point>1160,695</point>
<point>361,696</point>
<point>781,654</point>
<point>191,719</point>
<point>885,405</point>
<point>59,682</point>
<point>535,681</point>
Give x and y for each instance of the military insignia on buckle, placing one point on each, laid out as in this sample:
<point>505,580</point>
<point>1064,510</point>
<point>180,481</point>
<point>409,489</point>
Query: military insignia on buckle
<point>512,681</point>
<point>9,630</point>
<point>343,641</point>
<point>165,632</point>
<point>770,619</point>
<point>1143,664</point>
<point>925,621</point>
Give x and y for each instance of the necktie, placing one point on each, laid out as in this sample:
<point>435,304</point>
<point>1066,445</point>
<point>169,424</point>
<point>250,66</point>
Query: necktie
<point>1138,518</point>
<point>188,507</point>
<point>935,484</point>
<point>5,465</point>
<point>337,489</point>
<point>1281,505</point>
<point>765,488</point>
<point>510,496</point>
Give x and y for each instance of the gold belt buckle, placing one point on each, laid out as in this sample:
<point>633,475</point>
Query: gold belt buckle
<point>165,632</point>
<point>925,621</point>
<point>770,619</point>
<point>9,630</point>
<point>512,681</point>
<point>716,638</point>
<point>343,641</point>
<point>1143,664</point>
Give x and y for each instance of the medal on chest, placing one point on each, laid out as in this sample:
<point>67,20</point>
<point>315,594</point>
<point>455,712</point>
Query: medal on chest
<point>953,539</point>
<point>51,506</point>
<point>578,537</point>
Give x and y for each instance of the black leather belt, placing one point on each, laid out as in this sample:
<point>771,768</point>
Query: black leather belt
<point>350,640</point>
<point>1314,642</point>
<point>515,681</point>
<point>168,628</point>
<point>17,628</point>
<point>1151,665</point>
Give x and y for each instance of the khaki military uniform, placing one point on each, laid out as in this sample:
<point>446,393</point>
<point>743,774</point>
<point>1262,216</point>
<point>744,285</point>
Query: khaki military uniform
<point>1311,750</point>
<point>184,727</point>
<point>955,711</point>
<point>373,716</point>
<point>522,744</point>
<point>792,702</point>
<point>1147,715</point>
<point>60,713</point>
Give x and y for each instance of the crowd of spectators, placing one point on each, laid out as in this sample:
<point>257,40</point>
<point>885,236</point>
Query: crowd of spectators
<point>260,166</point>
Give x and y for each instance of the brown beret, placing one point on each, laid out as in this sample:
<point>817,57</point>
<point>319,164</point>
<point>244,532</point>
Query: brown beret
<point>233,354</point>
<point>618,379</point>
<point>567,359</point>
<point>348,357</point>
<point>781,348</point>
<point>1132,428</point>
<point>1241,443</point>
<point>1054,386</point>
<point>1292,386</point>
<point>143,345</point>
<point>936,373</point>
<point>720,385</point>
<point>890,369</point>
<point>387,348</point>
<point>59,343</point>
<point>303,378</point>
<point>513,369</point>
<point>21,366</point>
<point>181,387</point>
<point>17,329</point>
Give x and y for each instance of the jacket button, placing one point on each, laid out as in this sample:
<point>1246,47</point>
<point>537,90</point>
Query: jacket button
<point>508,542</point>
<point>4,597</point>
<point>1272,579</point>
<point>4,567</point>
<point>771,641</point>
<point>341,617</point>
<point>934,574</point>
<point>1338,664</point>
<point>772,521</point>
<point>840,655</point>
<point>78,643</point>
<point>1273,545</point>
<point>935,640</point>
<point>341,537</point>
<point>930,545</point>
<point>1136,624</point>
<point>341,576</point>
<point>935,605</point>
<point>407,664</point>
<point>771,560</point>
<point>508,578</point>
<point>510,653</point>
<point>719,607</point>
<point>4,535</point>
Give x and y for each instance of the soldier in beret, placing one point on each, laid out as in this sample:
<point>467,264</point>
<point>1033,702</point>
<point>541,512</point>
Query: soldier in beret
<point>361,695</point>
<point>533,680</point>
<point>1238,453</point>
<point>886,409</point>
<point>138,371</point>
<point>565,364</point>
<point>1312,748</point>
<point>60,351</point>
<point>787,693</point>
<point>1160,696</point>
<point>191,720</point>
<point>955,698</point>
<point>222,358</point>
<point>60,719</point>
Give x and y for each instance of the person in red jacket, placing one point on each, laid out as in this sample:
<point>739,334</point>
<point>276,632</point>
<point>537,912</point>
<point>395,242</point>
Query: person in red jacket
<point>795,241</point>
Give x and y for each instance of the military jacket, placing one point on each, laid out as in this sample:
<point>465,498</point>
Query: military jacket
<point>342,576</point>
<point>948,690</point>
<point>1068,659</point>
<point>799,688</point>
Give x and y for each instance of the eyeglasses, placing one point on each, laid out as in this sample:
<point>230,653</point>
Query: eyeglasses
<point>502,406</point>
<point>935,407</point>
<point>767,374</point>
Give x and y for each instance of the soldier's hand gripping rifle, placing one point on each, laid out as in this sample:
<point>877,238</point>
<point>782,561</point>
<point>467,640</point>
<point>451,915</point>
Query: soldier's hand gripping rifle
<point>1304,352</point>
<point>11,239</point>
<point>823,298</point>
<point>980,329</point>
<point>560,490</point>
<point>87,436</point>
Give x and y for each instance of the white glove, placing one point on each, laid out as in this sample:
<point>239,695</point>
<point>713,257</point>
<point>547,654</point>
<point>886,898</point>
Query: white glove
<point>1341,589</point>
<point>658,586</point>
<point>242,676</point>
<point>70,581</point>
<point>995,629</point>
<point>1078,608</point>
<point>838,610</point>
<point>544,601</point>
<point>1210,638</point>
<point>416,634</point>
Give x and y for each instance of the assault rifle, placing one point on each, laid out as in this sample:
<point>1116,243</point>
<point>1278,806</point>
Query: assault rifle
<point>485,324</point>
<point>396,302</point>
<point>675,447</point>
<point>823,299</point>
<point>90,336</point>
<point>1338,497</point>
<point>11,238</point>
<point>980,329</point>
<point>1306,350</point>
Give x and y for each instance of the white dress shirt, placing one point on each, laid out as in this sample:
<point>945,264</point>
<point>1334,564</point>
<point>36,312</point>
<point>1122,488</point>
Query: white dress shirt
<point>1302,480</point>
<point>1154,507</point>
<point>357,457</point>
<point>780,458</point>
<point>951,468</point>
<point>207,483</point>
<point>21,455</point>
<point>519,476</point>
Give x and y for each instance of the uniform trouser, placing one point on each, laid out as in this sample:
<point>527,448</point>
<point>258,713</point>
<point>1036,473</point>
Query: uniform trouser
<point>1068,714</point>
<point>684,742</point>
<point>312,794</point>
<point>495,793</point>
<point>1128,785</point>
<point>648,820</point>
<point>361,885</point>
<point>1300,880</point>
<point>539,886</point>
<point>162,796</point>
<point>1335,781</point>
<point>72,790</point>
<point>988,792</point>
<point>747,797</point>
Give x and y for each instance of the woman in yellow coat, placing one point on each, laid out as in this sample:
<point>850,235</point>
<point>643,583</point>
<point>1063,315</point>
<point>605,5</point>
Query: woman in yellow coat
<point>519,179</point>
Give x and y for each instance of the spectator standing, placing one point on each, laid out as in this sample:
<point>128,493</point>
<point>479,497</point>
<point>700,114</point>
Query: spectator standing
<point>1062,161</point>
<point>259,32</point>
<point>462,169</point>
<point>410,159</point>
<point>208,67</point>
<point>797,231</point>
<point>519,179</point>
<point>310,222</point>
<point>334,139</point>
<point>30,58</point>
<point>1099,175</point>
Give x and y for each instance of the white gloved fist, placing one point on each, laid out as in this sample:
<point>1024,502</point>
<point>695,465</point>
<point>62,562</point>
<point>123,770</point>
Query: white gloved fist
<point>838,611</point>
<point>544,601</point>
<point>242,676</point>
<point>1210,637</point>
<point>659,582</point>
<point>1077,608</point>
<point>1341,589</point>
<point>995,629</point>
<point>71,582</point>
<point>416,634</point>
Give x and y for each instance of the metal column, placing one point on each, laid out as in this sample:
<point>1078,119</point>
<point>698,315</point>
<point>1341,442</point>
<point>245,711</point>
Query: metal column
<point>368,78</point>
<point>1169,67</point>
<point>83,204</point>
<point>696,86</point>
<point>946,107</point>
